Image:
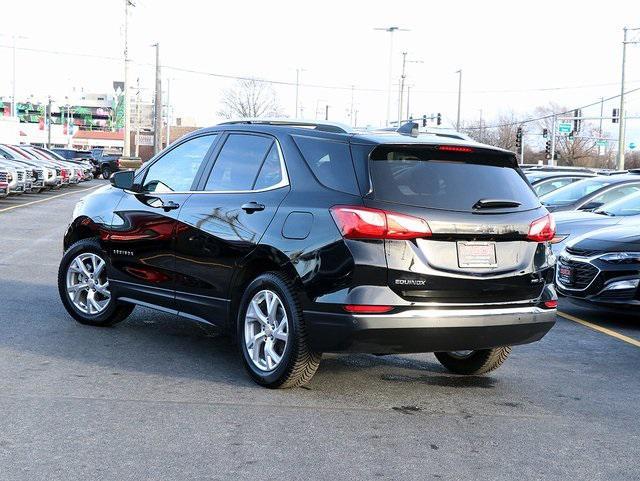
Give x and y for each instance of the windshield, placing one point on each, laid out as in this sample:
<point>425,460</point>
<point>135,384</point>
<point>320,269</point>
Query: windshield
<point>629,205</point>
<point>575,191</point>
<point>426,178</point>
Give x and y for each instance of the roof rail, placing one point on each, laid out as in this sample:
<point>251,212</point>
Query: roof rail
<point>325,126</point>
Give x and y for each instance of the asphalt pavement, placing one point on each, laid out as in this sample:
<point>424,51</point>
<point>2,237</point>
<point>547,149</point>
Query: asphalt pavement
<point>165,399</point>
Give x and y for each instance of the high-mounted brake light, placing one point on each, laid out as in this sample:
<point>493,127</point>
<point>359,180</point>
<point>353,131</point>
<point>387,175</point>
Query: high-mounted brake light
<point>542,229</point>
<point>365,309</point>
<point>357,222</point>
<point>455,148</point>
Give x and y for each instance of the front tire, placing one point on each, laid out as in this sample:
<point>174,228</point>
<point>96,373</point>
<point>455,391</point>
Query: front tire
<point>106,173</point>
<point>271,334</point>
<point>83,286</point>
<point>474,362</point>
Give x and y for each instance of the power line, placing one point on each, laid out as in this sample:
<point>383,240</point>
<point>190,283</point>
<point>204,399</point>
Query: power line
<point>548,116</point>
<point>308,85</point>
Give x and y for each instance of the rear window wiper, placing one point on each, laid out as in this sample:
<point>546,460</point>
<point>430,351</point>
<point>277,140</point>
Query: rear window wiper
<point>496,204</point>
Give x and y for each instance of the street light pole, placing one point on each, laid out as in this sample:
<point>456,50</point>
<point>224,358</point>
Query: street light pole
<point>621,122</point>
<point>127,107</point>
<point>13,86</point>
<point>157,131</point>
<point>391,31</point>
<point>459,72</point>
<point>298,70</point>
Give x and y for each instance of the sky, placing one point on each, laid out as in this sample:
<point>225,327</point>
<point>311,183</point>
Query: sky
<point>514,56</point>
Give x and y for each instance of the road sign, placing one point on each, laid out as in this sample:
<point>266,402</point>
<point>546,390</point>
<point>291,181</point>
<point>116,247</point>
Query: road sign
<point>602,143</point>
<point>632,145</point>
<point>143,139</point>
<point>564,127</point>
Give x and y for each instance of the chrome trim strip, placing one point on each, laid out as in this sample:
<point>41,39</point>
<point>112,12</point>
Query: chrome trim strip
<point>458,318</point>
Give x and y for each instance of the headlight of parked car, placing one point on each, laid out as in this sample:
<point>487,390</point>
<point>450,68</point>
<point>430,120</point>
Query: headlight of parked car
<point>622,257</point>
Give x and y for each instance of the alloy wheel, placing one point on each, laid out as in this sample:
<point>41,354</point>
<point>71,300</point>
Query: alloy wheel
<point>266,330</point>
<point>87,283</point>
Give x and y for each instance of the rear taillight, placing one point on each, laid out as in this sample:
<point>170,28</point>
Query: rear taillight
<point>542,229</point>
<point>551,304</point>
<point>365,223</point>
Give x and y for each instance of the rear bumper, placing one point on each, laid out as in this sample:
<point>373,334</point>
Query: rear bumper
<point>428,330</point>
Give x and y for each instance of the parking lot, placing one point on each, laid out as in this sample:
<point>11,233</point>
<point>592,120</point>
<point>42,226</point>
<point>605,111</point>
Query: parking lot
<point>162,398</point>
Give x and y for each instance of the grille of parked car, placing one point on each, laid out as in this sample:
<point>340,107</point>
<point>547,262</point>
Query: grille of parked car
<point>583,273</point>
<point>3,177</point>
<point>20,176</point>
<point>39,174</point>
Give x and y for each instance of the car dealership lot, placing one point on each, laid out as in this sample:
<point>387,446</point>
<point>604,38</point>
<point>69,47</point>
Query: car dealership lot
<point>161,398</point>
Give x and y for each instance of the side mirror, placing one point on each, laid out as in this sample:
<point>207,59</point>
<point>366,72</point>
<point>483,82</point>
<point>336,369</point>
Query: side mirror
<point>122,179</point>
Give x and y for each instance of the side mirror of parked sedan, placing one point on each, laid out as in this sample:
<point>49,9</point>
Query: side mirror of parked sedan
<point>122,179</point>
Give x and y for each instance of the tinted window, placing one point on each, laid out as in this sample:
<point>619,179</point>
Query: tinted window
<point>616,193</point>
<point>551,185</point>
<point>575,191</point>
<point>271,171</point>
<point>238,163</point>
<point>422,177</point>
<point>176,170</point>
<point>629,205</point>
<point>330,162</point>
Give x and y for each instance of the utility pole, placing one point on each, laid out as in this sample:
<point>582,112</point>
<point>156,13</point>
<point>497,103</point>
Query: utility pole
<point>127,107</point>
<point>391,31</point>
<point>168,114</point>
<point>48,123</point>
<point>622,123</point>
<point>459,72</point>
<point>326,112</point>
<point>14,113</point>
<point>552,160</point>
<point>351,109</point>
<point>138,118</point>
<point>408,101</point>
<point>297,112</point>
<point>157,131</point>
<point>401,96</point>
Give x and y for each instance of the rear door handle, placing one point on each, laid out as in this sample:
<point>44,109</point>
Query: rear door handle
<point>170,205</point>
<point>251,207</point>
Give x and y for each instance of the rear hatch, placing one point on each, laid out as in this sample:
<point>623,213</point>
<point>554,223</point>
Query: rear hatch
<point>480,211</point>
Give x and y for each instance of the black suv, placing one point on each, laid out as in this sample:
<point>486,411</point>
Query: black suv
<point>303,238</point>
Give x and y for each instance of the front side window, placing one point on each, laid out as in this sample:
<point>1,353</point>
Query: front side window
<point>576,190</point>
<point>239,163</point>
<point>176,170</point>
<point>615,194</point>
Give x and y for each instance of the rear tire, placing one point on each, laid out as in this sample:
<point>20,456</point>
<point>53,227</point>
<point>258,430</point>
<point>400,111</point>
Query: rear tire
<point>106,173</point>
<point>292,363</point>
<point>476,362</point>
<point>110,312</point>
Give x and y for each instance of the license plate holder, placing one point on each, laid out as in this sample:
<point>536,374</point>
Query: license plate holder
<point>565,274</point>
<point>476,254</point>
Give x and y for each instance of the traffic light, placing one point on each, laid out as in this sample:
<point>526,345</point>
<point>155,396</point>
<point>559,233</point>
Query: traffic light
<point>576,121</point>
<point>439,119</point>
<point>519,138</point>
<point>545,133</point>
<point>424,120</point>
<point>547,149</point>
<point>615,116</point>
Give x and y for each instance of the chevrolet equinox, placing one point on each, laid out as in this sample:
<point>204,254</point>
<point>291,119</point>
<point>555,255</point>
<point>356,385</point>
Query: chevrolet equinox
<point>302,238</point>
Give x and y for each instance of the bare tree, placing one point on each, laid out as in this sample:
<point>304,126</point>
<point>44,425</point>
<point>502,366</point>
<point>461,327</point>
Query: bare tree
<point>501,131</point>
<point>250,98</point>
<point>581,149</point>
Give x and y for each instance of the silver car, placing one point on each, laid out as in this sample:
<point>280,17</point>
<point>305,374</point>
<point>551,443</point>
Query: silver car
<point>572,224</point>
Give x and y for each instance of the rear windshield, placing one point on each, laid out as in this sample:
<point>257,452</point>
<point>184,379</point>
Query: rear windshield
<point>577,190</point>
<point>442,180</point>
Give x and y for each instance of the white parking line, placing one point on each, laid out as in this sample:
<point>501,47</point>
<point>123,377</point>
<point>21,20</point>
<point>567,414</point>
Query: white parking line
<point>49,198</point>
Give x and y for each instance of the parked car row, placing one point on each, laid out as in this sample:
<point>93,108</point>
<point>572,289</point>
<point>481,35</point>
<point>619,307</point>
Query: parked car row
<point>30,169</point>
<point>104,161</point>
<point>597,240</point>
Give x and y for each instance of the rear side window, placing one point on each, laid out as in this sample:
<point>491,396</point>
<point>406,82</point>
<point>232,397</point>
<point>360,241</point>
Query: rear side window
<point>330,162</point>
<point>451,181</point>
<point>239,162</point>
